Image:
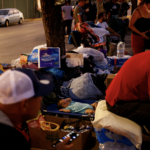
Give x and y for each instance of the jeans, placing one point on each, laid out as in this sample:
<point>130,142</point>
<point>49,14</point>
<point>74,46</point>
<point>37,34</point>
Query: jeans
<point>67,23</point>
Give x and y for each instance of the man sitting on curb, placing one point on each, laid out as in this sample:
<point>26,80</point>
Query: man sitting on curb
<point>128,95</point>
<point>102,23</point>
<point>20,100</point>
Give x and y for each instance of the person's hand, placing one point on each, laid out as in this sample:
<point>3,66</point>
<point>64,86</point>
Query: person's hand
<point>87,10</point>
<point>144,36</point>
<point>61,110</point>
<point>68,99</point>
<point>64,145</point>
<point>116,34</point>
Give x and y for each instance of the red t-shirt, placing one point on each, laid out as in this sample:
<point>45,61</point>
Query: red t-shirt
<point>132,81</point>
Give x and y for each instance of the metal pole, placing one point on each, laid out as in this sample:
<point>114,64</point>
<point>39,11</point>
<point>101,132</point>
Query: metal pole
<point>2,4</point>
<point>15,3</point>
<point>27,8</point>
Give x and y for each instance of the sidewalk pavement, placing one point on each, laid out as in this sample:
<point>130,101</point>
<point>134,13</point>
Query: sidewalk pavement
<point>28,20</point>
<point>71,47</point>
<point>128,47</point>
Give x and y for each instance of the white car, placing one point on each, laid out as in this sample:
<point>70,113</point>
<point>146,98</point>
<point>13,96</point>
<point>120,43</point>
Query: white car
<point>10,15</point>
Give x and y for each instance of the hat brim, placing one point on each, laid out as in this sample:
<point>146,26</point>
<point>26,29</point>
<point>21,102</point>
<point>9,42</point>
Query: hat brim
<point>44,89</point>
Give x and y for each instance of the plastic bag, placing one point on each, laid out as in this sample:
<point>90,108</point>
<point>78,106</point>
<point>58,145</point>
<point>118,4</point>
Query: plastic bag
<point>74,73</point>
<point>102,64</point>
<point>16,63</point>
<point>34,54</point>
<point>55,72</point>
<point>97,55</point>
<point>117,124</point>
<point>111,141</point>
<point>99,71</point>
<point>35,123</point>
<point>84,88</point>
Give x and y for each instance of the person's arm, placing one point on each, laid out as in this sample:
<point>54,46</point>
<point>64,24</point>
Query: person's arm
<point>68,99</point>
<point>79,12</point>
<point>134,18</point>
<point>113,32</point>
<point>65,110</point>
<point>64,145</point>
<point>79,18</point>
<point>123,13</point>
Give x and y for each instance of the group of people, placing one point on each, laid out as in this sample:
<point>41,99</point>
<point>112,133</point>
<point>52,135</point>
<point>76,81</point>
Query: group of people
<point>86,11</point>
<point>131,96</point>
<point>128,94</point>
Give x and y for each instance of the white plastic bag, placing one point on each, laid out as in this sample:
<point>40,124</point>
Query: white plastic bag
<point>98,56</point>
<point>100,31</point>
<point>16,63</point>
<point>112,141</point>
<point>117,124</point>
<point>115,146</point>
<point>102,64</point>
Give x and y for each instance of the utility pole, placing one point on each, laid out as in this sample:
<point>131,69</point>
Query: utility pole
<point>52,21</point>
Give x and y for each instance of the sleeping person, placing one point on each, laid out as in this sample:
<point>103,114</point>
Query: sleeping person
<point>69,106</point>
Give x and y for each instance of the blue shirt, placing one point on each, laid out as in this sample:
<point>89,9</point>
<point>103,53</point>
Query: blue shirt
<point>77,107</point>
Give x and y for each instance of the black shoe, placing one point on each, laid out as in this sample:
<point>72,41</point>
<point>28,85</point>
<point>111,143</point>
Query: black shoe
<point>145,130</point>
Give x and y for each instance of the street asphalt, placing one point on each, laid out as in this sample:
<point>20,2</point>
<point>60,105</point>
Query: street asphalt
<point>19,39</point>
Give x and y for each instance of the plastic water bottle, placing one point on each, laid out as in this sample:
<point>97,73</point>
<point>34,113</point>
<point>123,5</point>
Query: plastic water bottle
<point>120,49</point>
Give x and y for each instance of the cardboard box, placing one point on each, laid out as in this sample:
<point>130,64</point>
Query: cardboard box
<point>43,139</point>
<point>109,78</point>
<point>74,60</point>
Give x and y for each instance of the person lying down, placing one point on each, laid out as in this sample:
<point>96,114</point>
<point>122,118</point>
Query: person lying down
<point>69,106</point>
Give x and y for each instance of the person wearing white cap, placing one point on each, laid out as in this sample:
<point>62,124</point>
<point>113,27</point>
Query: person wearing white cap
<point>20,100</point>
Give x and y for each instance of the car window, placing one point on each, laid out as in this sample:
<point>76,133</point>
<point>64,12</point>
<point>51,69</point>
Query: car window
<point>11,12</point>
<point>4,12</point>
<point>16,11</point>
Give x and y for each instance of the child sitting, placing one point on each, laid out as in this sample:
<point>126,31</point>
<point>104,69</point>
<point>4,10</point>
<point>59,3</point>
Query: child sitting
<point>67,105</point>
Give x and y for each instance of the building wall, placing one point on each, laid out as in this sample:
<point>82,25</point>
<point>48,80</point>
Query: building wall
<point>27,7</point>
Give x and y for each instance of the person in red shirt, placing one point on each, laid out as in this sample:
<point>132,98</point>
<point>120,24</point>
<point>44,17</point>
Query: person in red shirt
<point>128,95</point>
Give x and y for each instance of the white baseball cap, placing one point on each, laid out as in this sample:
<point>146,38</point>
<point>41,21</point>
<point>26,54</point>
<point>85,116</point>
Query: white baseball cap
<point>19,84</point>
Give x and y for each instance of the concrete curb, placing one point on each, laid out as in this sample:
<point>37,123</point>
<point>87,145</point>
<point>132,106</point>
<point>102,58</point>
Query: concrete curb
<point>28,20</point>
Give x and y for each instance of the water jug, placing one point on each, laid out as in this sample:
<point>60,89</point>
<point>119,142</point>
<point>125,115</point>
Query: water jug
<point>120,49</point>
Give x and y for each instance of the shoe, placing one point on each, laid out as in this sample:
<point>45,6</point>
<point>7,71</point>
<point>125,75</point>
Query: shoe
<point>145,131</point>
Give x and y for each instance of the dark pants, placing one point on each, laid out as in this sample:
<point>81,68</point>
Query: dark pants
<point>67,23</point>
<point>138,111</point>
